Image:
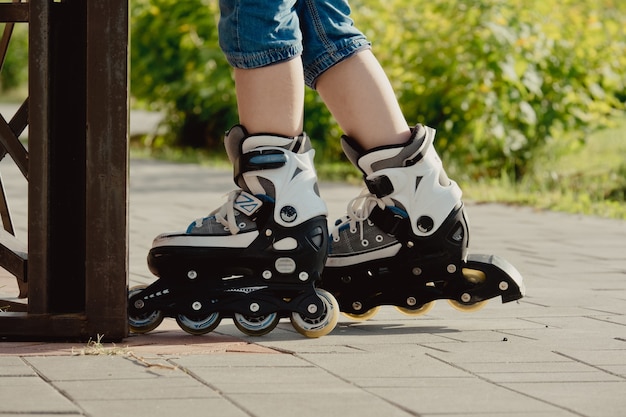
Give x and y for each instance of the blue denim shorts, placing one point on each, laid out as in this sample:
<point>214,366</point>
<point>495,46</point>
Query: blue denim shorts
<point>257,33</point>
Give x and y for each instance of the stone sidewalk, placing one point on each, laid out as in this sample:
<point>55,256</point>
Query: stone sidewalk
<point>560,351</point>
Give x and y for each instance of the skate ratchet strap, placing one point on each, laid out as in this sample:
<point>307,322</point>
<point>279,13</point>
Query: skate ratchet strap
<point>380,186</point>
<point>259,160</point>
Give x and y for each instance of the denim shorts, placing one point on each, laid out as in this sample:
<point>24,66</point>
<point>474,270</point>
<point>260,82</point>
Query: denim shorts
<point>257,33</point>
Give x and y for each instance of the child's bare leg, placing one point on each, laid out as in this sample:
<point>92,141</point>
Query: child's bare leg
<point>271,99</point>
<point>360,97</point>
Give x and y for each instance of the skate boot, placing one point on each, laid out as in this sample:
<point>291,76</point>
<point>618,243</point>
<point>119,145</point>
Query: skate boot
<point>256,259</point>
<point>404,240</point>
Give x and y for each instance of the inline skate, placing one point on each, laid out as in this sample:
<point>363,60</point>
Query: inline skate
<point>404,239</point>
<point>256,259</point>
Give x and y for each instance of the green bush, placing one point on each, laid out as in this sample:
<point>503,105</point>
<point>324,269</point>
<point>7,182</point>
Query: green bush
<point>498,79</point>
<point>177,67</point>
<point>15,69</point>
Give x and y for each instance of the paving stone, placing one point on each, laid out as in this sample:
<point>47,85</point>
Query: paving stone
<point>385,365</point>
<point>98,367</point>
<point>593,399</point>
<point>461,396</point>
<point>154,388</point>
<point>189,407</point>
<point>315,404</point>
<point>31,395</point>
<point>560,351</point>
<point>14,367</point>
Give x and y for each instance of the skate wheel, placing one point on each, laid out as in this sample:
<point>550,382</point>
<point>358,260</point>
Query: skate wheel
<point>199,326</point>
<point>474,276</point>
<point>145,322</point>
<point>323,325</point>
<point>413,312</point>
<point>363,316</point>
<point>467,308</point>
<point>256,326</point>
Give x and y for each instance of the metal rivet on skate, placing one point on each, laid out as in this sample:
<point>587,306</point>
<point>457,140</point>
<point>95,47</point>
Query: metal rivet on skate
<point>312,308</point>
<point>411,301</point>
<point>451,268</point>
<point>346,280</point>
<point>303,276</point>
<point>267,274</point>
<point>254,307</point>
<point>197,305</point>
<point>357,306</point>
<point>503,286</point>
<point>466,298</point>
<point>268,232</point>
<point>417,271</point>
<point>139,304</point>
<point>192,274</point>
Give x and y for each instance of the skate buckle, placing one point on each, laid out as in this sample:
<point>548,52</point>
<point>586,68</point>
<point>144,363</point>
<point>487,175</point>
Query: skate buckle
<point>380,186</point>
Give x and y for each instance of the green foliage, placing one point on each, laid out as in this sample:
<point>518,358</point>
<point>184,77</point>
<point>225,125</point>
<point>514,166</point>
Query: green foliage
<point>500,79</point>
<point>177,66</point>
<point>15,69</point>
<point>590,179</point>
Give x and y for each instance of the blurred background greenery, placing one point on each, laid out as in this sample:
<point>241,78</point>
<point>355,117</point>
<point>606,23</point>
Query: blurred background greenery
<point>527,96</point>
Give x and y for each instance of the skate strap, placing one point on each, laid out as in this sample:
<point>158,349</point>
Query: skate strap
<point>380,186</point>
<point>258,160</point>
<point>247,204</point>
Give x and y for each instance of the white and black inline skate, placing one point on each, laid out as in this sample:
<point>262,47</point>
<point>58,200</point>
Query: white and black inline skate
<point>404,240</point>
<point>256,259</point>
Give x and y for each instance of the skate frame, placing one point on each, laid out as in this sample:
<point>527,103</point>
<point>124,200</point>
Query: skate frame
<point>72,272</point>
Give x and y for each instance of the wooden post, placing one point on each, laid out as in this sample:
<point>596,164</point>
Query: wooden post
<point>77,262</point>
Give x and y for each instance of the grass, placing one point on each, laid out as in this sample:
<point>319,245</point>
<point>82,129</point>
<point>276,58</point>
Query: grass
<point>589,180</point>
<point>98,348</point>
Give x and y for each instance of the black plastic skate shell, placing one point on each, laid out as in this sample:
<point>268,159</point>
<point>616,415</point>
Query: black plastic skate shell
<point>362,290</point>
<point>229,294</point>
<point>423,270</point>
<point>259,284</point>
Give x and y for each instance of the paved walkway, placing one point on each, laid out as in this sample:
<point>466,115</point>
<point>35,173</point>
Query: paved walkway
<point>560,351</point>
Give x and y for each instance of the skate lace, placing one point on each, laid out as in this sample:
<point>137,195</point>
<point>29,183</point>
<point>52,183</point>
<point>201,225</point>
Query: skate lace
<point>358,212</point>
<point>225,214</point>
